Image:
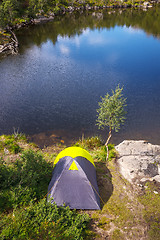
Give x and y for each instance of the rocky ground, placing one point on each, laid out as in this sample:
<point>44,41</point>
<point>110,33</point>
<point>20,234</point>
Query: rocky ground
<point>130,191</point>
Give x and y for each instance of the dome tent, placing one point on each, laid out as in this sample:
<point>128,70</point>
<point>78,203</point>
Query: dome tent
<point>74,180</point>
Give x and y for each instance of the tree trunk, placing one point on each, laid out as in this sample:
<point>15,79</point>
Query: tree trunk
<point>106,144</point>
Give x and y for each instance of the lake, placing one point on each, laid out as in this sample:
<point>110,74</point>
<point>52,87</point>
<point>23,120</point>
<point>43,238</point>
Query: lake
<point>63,67</point>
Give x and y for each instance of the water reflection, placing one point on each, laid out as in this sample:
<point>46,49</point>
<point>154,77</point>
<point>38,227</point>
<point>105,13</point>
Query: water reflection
<point>66,65</point>
<point>76,24</point>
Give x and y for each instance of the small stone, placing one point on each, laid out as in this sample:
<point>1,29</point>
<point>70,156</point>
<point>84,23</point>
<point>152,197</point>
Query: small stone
<point>157,178</point>
<point>6,151</point>
<point>155,192</point>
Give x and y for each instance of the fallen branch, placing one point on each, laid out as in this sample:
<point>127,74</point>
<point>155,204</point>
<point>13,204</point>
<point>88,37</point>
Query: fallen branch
<point>11,47</point>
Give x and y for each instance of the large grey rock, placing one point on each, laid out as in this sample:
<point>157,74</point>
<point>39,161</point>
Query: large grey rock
<point>139,160</point>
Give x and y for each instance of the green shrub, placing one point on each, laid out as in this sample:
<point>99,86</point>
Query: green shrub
<point>44,221</point>
<point>10,143</point>
<point>110,146</point>
<point>35,172</point>
<point>7,174</point>
<point>14,148</point>
<point>112,154</point>
<point>5,200</point>
<point>25,179</point>
<point>100,154</point>
<point>90,143</point>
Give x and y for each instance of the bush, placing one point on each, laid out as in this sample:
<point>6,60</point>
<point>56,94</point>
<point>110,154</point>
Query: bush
<point>90,143</point>
<point>44,221</point>
<point>112,152</point>
<point>10,143</point>
<point>35,172</point>
<point>22,183</point>
<point>25,179</point>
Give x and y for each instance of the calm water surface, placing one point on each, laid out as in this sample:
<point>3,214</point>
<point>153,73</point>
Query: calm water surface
<point>64,67</point>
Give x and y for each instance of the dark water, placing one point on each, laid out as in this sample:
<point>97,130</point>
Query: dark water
<point>64,67</point>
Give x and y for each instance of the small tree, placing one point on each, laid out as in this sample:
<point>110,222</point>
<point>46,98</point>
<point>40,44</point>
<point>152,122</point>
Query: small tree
<point>111,112</point>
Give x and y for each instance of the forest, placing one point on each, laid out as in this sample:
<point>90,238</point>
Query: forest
<point>13,12</point>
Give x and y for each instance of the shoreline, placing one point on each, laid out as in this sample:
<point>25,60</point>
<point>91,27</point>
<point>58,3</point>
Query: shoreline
<point>9,43</point>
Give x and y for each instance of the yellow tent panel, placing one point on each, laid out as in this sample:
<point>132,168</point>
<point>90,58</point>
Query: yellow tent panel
<point>74,152</point>
<point>73,166</point>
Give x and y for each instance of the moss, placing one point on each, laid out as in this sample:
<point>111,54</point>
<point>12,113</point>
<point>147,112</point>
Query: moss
<point>154,231</point>
<point>90,235</point>
<point>121,210</point>
<point>117,235</point>
<point>151,211</point>
<point>122,215</point>
<point>104,222</point>
<point>96,215</point>
<point>100,170</point>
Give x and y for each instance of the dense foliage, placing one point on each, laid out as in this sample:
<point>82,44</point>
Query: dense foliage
<point>17,11</point>
<point>24,179</point>
<point>44,221</point>
<point>13,12</point>
<point>9,143</point>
